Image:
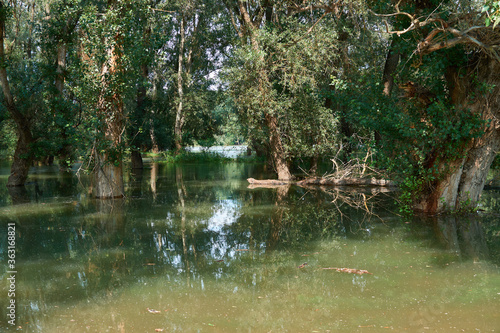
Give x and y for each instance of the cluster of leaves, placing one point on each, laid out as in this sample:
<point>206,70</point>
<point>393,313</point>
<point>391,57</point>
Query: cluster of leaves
<point>189,157</point>
<point>492,10</point>
<point>283,79</point>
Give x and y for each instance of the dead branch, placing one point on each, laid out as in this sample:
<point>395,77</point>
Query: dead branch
<point>479,36</point>
<point>347,182</point>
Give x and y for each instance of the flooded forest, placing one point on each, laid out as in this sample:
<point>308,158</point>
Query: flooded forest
<point>249,166</point>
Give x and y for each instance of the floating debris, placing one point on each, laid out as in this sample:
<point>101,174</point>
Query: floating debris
<point>349,270</point>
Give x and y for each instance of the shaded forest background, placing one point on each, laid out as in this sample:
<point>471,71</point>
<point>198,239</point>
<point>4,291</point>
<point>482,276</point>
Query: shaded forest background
<point>409,88</point>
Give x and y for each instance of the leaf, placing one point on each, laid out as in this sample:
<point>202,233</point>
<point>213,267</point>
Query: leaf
<point>497,21</point>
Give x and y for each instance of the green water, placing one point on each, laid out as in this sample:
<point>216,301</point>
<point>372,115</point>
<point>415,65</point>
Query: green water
<point>193,249</point>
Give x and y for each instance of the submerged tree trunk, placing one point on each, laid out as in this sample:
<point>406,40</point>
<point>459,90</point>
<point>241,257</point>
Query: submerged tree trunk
<point>465,177</point>
<point>277,150</point>
<point>279,160</point>
<point>108,178</point>
<point>136,160</point>
<point>108,171</point>
<point>23,157</point>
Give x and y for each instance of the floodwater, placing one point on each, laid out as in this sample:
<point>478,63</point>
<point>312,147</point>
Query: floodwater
<point>193,249</point>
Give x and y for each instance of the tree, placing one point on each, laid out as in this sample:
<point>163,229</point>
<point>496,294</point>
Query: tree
<point>23,155</point>
<point>285,50</point>
<point>451,114</point>
<point>108,50</point>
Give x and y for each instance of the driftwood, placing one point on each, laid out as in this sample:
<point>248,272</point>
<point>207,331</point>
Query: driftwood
<point>323,182</point>
<point>254,181</point>
<point>347,182</point>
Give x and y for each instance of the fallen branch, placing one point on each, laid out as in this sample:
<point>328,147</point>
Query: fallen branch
<point>254,181</point>
<point>347,182</point>
<point>273,183</point>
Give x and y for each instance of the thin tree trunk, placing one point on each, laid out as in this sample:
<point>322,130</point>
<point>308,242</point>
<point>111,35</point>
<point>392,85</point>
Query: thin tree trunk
<point>136,157</point>
<point>179,116</point>
<point>391,64</point>
<point>66,150</point>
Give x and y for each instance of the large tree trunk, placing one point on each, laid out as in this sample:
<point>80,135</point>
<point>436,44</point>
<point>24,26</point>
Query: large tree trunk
<point>108,178</point>
<point>279,160</point>
<point>108,171</point>
<point>391,64</point>
<point>23,157</point>
<point>465,177</point>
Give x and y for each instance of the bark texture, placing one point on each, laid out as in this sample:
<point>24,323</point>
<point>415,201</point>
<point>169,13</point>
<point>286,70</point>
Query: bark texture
<point>108,172</point>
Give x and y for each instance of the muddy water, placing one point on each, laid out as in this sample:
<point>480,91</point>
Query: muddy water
<point>193,249</point>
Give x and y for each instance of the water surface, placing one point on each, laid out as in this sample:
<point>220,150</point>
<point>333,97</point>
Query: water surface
<point>193,249</point>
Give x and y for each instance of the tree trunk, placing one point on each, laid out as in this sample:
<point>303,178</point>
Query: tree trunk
<point>136,157</point>
<point>108,171</point>
<point>465,177</point>
<point>278,154</point>
<point>277,151</point>
<point>136,160</point>
<point>179,116</point>
<point>108,178</point>
<point>391,64</point>
<point>23,156</point>
<point>155,148</point>
<point>66,151</point>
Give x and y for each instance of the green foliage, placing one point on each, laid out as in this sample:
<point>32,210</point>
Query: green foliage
<point>492,10</point>
<point>8,138</point>
<point>189,157</point>
<point>283,79</point>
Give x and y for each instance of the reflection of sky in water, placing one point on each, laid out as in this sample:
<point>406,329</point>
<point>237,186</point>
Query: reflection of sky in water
<point>225,213</point>
<point>226,151</point>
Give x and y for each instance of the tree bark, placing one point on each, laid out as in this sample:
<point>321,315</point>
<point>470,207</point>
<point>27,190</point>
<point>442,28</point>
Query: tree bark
<point>279,160</point>
<point>108,171</point>
<point>108,178</point>
<point>66,151</point>
<point>179,116</point>
<point>391,64</point>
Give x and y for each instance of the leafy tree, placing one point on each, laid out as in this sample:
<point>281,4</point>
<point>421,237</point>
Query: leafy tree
<point>286,51</point>
<point>440,133</point>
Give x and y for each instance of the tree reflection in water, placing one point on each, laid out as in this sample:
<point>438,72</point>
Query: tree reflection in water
<point>191,228</point>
